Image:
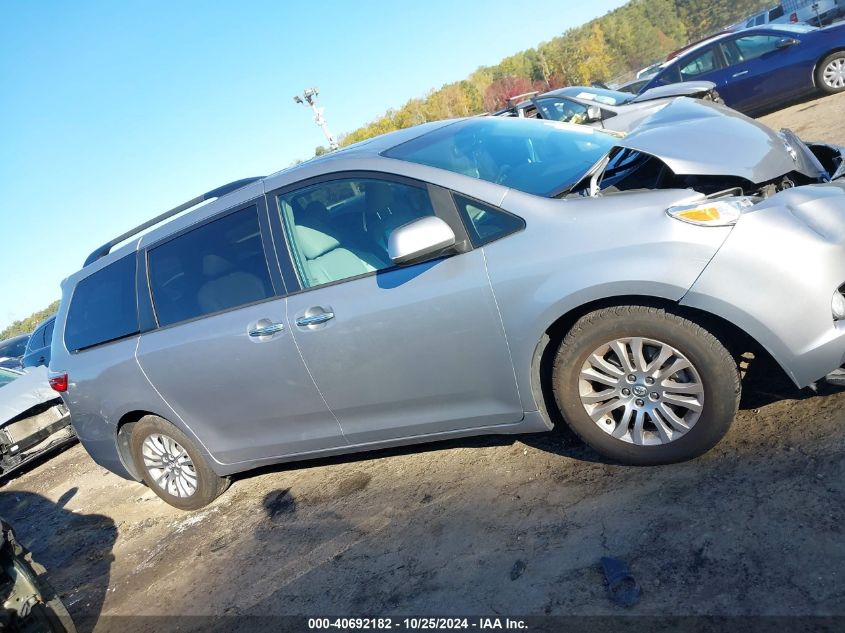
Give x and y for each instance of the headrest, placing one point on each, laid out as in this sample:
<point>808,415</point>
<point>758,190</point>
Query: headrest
<point>314,243</point>
<point>214,265</point>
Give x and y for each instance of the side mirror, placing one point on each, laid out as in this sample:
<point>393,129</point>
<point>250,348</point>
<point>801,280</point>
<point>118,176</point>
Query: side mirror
<point>786,42</point>
<point>593,113</point>
<point>419,239</point>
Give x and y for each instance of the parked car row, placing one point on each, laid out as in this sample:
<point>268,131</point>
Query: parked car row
<point>459,278</point>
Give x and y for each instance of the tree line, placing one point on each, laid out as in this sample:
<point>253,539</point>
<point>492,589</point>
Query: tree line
<point>27,325</point>
<point>622,41</point>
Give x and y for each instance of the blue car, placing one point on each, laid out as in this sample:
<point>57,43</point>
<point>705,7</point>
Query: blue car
<point>758,69</point>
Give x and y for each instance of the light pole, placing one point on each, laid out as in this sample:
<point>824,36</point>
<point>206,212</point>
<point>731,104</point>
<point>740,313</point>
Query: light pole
<point>309,98</point>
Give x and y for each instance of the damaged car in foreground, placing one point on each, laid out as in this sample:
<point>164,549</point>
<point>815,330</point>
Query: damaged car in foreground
<point>460,278</point>
<point>33,418</point>
<point>28,604</point>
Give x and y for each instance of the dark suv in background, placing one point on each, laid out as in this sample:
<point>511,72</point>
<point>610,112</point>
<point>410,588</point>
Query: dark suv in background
<point>38,348</point>
<point>12,351</point>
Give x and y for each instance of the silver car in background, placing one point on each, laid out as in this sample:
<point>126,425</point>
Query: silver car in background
<point>460,278</point>
<point>612,110</point>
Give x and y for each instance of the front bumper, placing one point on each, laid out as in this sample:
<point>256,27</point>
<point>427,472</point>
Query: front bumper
<point>775,275</point>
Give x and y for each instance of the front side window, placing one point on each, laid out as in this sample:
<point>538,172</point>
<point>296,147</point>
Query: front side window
<point>340,228</point>
<point>217,266</point>
<point>743,49</point>
<point>541,158</point>
<point>670,75</point>
<point>104,306</point>
<point>699,65</point>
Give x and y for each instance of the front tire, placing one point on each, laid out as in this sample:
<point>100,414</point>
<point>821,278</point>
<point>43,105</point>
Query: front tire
<point>830,73</point>
<point>171,465</point>
<point>644,386</point>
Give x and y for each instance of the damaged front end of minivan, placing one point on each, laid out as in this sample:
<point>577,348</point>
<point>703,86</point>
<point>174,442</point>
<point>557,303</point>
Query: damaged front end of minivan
<point>715,152</point>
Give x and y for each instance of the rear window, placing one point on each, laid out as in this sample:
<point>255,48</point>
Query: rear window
<point>103,307</point>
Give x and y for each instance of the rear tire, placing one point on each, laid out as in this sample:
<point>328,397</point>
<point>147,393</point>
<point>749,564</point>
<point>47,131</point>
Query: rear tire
<point>643,411</point>
<point>830,73</point>
<point>172,466</point>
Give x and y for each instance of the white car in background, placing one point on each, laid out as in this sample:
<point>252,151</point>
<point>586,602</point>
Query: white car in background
<point>33,418</point>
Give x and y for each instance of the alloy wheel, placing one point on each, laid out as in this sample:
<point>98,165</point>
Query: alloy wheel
<point>169,465</point>
<point>641,391</point>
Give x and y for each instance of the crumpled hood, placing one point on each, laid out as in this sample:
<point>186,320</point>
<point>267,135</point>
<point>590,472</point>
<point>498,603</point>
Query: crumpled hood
<point>680,89</point>
<point>22,394</point>
<point>696,137</point>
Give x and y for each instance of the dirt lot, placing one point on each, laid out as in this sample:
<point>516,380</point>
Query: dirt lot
<point>507,526</point>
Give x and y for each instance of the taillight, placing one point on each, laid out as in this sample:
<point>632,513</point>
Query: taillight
<point>58,380</point>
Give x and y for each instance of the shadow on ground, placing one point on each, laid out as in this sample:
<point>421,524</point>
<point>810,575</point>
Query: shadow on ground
<point>75,548</point>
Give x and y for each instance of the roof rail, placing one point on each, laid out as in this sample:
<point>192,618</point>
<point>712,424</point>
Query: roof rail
<point>208,195</point>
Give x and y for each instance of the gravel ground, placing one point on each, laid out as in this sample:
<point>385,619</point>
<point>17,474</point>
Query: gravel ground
<point>488,526</point>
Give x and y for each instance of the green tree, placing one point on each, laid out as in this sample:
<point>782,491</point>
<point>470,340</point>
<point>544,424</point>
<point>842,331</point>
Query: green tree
<point>27,325</point>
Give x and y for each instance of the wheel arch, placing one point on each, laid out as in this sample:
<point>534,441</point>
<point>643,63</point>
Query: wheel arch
<point>837,49</point>
<point>735,339</point>
<point>123,433</point>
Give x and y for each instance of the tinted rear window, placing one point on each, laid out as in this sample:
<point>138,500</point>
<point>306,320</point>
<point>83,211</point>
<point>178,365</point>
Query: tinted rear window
<point>103,307</point>
<point>217,266</point>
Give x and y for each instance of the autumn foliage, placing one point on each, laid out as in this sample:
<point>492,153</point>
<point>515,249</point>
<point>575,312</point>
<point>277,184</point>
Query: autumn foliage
<point>620,42</point>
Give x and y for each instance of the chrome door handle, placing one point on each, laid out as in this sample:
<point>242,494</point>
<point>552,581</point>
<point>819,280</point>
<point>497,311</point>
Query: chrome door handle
<point>314,319</point>
<point>744,72</point>
<point>267,330</point>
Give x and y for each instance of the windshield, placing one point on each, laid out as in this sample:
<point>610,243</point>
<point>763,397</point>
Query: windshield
<point>599,95</point>
<point>7,376</point>
<point>538,157</point>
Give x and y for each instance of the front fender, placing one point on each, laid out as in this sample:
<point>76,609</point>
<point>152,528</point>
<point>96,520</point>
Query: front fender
<point>575,252</point>
<point>775,277</point>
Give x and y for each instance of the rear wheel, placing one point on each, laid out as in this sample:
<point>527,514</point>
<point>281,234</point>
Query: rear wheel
<point>172,466</point>
<point>830,73</point>
<point>645,386</point>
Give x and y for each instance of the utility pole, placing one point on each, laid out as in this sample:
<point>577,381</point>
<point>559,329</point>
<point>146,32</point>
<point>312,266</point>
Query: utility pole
<point>309,98</point>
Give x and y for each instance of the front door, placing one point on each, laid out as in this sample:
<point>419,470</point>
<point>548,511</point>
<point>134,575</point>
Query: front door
<point>223,356</point>
<point>757,73</point>
<point>396,351</point>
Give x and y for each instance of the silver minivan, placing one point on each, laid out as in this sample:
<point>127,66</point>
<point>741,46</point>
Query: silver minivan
<point>453,279</point>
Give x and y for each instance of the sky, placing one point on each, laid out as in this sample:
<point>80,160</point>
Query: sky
<point>112,112</point>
